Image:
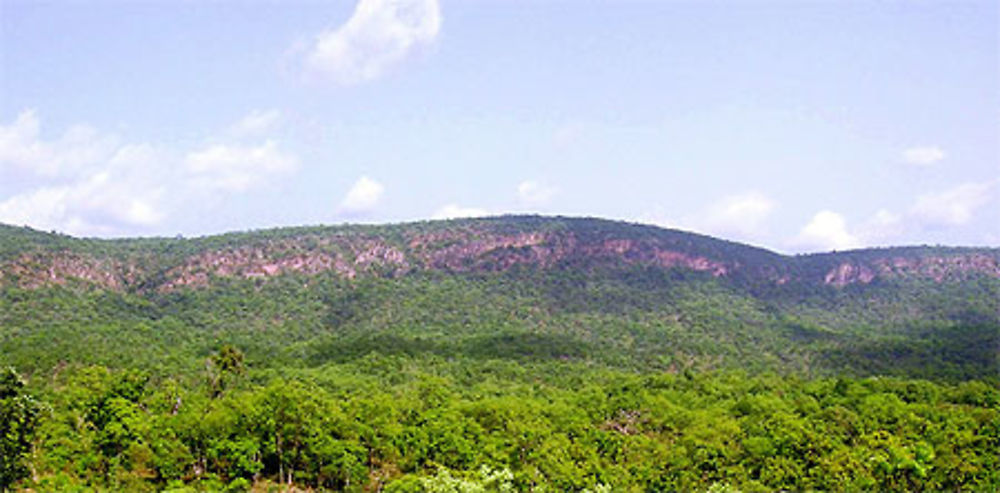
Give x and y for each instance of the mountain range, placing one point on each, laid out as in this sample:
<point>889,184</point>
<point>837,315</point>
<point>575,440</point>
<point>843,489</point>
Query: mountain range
<point>522,287</point>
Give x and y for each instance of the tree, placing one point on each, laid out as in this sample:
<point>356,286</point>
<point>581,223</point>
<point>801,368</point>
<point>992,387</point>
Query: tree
<point>19,414</point>
<point>224,366</point>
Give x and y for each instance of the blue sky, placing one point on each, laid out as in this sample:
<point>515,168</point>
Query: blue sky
<point>797,126</point>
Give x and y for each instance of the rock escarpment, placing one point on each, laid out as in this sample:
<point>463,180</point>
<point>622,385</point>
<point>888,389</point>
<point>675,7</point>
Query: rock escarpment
<point>475,245</point>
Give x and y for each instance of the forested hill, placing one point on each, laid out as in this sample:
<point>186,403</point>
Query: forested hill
<point>494,355</point>
<point>33,258</point>
<point>521,287</point>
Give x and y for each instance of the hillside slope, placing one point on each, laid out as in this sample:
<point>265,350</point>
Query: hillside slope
<point>500,354</point>
<point>31,258</point>
<point>525,287</point>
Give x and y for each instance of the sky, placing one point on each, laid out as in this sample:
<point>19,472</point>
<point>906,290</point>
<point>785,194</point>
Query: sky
<point>796,126</point>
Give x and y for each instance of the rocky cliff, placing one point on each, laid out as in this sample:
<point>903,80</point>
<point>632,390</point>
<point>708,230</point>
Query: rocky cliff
<point>30,259</point>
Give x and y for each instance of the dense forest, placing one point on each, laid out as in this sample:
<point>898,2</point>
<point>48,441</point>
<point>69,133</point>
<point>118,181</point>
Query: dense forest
<point>499,354</point>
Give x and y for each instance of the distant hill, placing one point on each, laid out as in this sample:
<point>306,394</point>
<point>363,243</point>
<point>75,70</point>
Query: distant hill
<point>522,287</point>
<point>31,257</point>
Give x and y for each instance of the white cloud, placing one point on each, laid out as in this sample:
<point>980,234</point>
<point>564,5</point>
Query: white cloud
<point>923,156</point>
<point>99,203</point>
<point>952,207</point>
<point>379,35</point>
<point>882,228</point>
<point>22,148</point>
<point>535,194</point>
<point>826,231</point>
<point>362,197</point>
<point>742,215</point>
<point>84,182</point>
<point>237,168</point>
<point>44,208</point>
<point>453,211</point>
<point>87,183</point>
<point>255,124</point>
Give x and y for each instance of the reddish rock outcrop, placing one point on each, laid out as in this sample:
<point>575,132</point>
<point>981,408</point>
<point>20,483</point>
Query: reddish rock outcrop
<point>849,273</point>
<point>476,247</point>
<point>939,268</point>
<point>40,269</point>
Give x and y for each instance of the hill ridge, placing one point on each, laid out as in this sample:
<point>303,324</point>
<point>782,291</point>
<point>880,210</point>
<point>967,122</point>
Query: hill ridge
<point>30,258</point>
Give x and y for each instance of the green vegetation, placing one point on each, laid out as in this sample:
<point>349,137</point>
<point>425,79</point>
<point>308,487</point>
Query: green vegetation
<point>592,373</point>
<point>431,424</point>
<point>19,415</point>
<point>634,319</point>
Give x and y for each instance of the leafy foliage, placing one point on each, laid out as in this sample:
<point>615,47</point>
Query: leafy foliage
<point>428,424</point>
<point>19,415</point>
<point>592,374</point>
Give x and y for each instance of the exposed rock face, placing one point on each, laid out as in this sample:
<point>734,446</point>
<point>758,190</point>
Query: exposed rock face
<point>463,252</point>
<point>491,252</point>
<point>351,256</point>
<point>476,247</point>
<point>938,268</point>
<point>39,269</point>
<point>287,256</point>
<point>848,273</point>
<point>197,271</point>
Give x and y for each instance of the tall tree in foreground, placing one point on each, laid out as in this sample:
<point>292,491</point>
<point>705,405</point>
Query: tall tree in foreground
<point>19,415</point>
